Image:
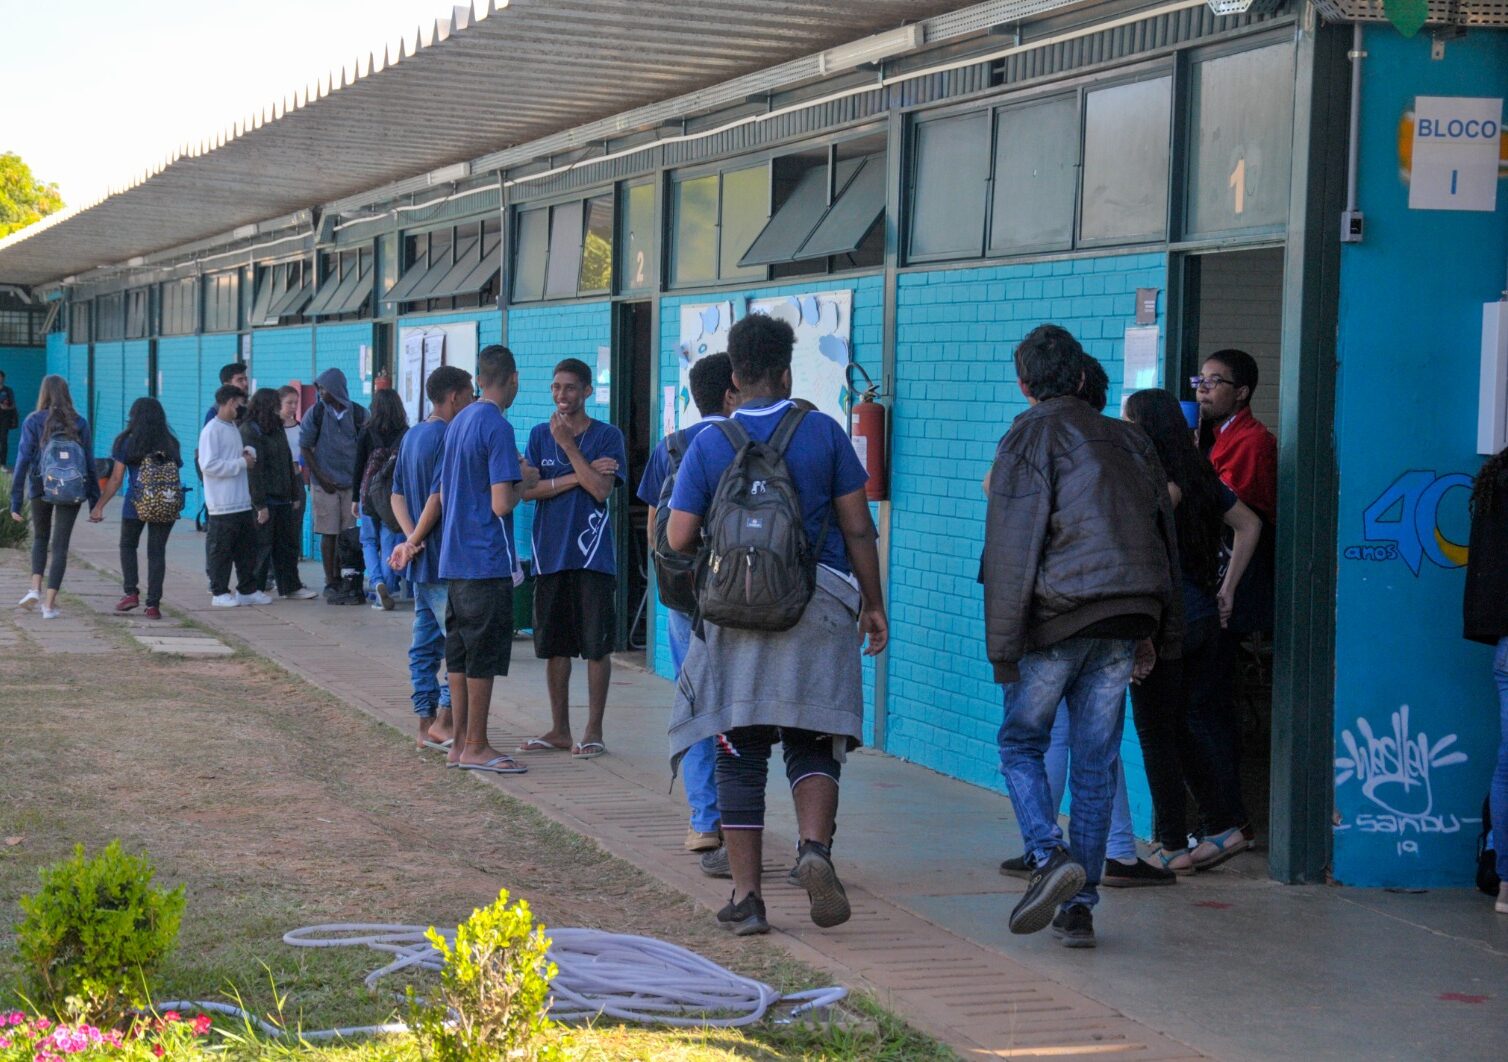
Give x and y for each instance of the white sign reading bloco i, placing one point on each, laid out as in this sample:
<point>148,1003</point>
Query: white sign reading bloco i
<point>1455,164</point>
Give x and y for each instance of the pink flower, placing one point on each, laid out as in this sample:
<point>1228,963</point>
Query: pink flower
<point>201,1024</point>
<point>4,1044</point>
<point>172,1016</point>
<point>158,1050</point>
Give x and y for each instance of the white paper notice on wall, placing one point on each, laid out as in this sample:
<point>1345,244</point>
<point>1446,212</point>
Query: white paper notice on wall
<point>1455,153</point>
<point>1140,358</point>
<point>667,411</point>
<point>602,386</point>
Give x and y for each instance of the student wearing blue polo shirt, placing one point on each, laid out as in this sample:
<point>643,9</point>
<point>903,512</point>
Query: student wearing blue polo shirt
<point>580,461</point>
<point>477,484</point>
<point>716,398</point>
<point>449,390</point>
<point>800,687</point>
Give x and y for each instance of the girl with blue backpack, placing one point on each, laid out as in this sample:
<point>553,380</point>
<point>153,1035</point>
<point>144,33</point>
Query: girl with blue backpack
<point>55,471</point>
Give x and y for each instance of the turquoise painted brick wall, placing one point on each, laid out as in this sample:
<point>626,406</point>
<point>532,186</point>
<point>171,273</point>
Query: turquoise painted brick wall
<point>540,337</point>
<point>956,395</point>
<point>57,355</point>
<point>136,361</point>
<point>78,375</point>
<point>338,346</point>
<point>109,395</point>
<point>280,355</point>
<point>178,371</point>
<point>24,368</point>
<point>866,337</point>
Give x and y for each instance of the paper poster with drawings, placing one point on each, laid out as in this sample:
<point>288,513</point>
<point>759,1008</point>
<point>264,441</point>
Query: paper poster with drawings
<point>704,330</point>
<point>411,375</point>
<point>819,364</point>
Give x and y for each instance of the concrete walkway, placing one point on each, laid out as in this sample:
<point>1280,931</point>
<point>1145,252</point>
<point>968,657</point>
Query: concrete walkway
<point>1225,964</point>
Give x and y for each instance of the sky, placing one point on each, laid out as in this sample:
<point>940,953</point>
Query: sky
<point>95,92</point>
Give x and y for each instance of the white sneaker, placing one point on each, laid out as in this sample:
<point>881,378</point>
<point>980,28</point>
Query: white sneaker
<point>49,613</point>
<point>30,601</point>
<point>302,594</point>
<point>255,598</point>
<point>224,601</point>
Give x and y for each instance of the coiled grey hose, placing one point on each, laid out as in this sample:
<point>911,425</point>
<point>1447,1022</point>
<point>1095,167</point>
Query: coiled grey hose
<point>601,975</point>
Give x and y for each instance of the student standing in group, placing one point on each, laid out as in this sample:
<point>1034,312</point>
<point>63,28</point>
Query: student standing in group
<point>802,686</point>
<point>449,391</point>
<point>375,446</point>
<point>1079,567</point>
<point>1165,700</point>
<point>277,497</point>
<point>9,419</point>
<point>55,470</point>
<point>327,441</point>
<point>235,375</point>
<point>580,461</point>
<point>715,397</point>
<point>478,483</point>
<point>147,458</point>
<point>290,399</point>
<point>1485,612</point>
<point>224,459</point>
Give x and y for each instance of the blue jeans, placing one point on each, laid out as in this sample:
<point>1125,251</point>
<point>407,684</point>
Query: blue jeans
<point>1499,792</point>
<point>699,765</point>
<point>1122,841</point>
<point>377,545</point>
<point>426,653</point>
<point>1091,674</point>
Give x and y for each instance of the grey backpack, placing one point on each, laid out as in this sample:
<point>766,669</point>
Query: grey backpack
<point>757,570</point>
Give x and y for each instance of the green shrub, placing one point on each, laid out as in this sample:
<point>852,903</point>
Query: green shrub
<point>494,991</point>
<point>97,930</point>
<point>12,534</point>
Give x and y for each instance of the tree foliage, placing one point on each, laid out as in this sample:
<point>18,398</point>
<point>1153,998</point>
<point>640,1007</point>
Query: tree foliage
<point>24,200</point>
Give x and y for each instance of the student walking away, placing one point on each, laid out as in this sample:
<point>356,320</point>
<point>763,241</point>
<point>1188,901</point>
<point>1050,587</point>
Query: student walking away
<point>327,442</point>
<point>147,459</point>
<point>715,397</point>
<point>1078,567</point>
<point>224,460</point>
<point>478,483</point>
<point>580,461</point>
<point>376,456</point>
<point>449,391</point>
<point>10,419</point>
<point>55,470</point>
<point>789,585</point>
<point>1175,707</point>
<point>277,497</point>
<point>1486,620</point>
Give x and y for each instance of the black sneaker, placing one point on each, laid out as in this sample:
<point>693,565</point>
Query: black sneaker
<point>715,864</point>
<point>1074,926</point>
<point>1016,867</point>
<point>814,873</point>
<point>1052,883</point>
<point>1137,875</point>
<point>745,918</point>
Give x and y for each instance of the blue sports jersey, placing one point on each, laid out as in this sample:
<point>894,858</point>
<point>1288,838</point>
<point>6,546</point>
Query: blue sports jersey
<point>479,451</point>
<point>572,531</point>
<point>821,461</point>
<point>658,468</point>
<point>413,476</point>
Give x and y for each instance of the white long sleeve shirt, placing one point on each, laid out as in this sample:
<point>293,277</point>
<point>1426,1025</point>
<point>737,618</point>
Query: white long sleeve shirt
<point>223,467</point>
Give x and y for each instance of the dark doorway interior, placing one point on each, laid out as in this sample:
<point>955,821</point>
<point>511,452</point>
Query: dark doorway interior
<point>633,364</point>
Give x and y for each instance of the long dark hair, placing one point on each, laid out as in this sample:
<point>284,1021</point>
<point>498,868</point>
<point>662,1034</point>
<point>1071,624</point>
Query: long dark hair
<point>56,401</point>
<point>265,410</point>
<point>1484,489</point>
<point>147,432</point>
<point>389,418</point>
<point>1198,516</point>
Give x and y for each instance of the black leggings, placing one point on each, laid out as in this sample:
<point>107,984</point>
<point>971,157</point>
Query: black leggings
<point>157,557</point>
<point>743,764</point>
<point>51,529</point>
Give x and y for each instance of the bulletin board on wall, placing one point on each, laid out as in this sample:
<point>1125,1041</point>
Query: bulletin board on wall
<point>424,348</point>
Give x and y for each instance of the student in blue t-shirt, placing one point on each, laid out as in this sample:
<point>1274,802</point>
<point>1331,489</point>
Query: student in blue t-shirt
<point>716,398</point>
<point>477,484</point>
<point>449,391</point>
<point>580,461</point>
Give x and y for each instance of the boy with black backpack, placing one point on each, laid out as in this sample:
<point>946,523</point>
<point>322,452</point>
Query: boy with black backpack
<point>788,585</point>
<point>715,397</point>
<point>327,442</point>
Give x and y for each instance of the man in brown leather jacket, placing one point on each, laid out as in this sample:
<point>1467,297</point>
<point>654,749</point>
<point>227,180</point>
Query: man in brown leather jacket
<point>1079,568</point>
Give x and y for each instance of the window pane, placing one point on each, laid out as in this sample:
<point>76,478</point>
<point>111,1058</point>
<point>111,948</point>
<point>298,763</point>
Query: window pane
<point>529,259</point>
<point>636,270</point>
<point>695,230</point>
<point>597,252</point>
<point>947,205</point>
<point>797,216</point>
<point>565,251</point>
<point>855,213</point>
<point>746,208</point>
<point>1036,150</point>
<point>1241,115</point>
<point>1126,161</point>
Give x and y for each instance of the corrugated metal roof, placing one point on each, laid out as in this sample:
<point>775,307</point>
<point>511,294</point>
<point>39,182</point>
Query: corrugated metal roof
<point>477,83</point>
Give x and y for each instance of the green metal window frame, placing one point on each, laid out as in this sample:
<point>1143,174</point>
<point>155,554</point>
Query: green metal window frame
<point>530,276</point>
<point>110,317</point>
<point>79,320</point>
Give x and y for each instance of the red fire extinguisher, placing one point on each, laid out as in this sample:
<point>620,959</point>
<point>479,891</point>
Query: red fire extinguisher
<point>868,434</point>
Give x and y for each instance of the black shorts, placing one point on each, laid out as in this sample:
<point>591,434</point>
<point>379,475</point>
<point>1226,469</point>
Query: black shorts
<point>575,614</point>
<point>478,627</point>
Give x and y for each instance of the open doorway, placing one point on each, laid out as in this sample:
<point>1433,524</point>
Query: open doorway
<point>1235,299</point>
<point>632,366</point>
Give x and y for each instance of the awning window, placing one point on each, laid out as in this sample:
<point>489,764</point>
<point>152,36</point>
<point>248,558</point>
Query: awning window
<point>412,277</point>
<point>345,296</point>
<point>272,286</point>
<point>855,212</point>
<point>807,226</point>
<point>447,280</point>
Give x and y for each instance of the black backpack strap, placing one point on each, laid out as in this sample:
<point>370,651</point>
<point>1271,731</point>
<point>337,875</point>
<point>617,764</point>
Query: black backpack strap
<point>785,431</point>
<point>734,433</point>
<point>675,446</point>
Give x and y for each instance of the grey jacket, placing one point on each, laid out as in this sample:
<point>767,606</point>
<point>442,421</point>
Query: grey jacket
<point>1079,530</point>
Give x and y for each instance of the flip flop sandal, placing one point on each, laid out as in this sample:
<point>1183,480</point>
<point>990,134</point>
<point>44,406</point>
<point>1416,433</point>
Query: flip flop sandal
<point>540,745</point>
<point>588,750</point>
<point>440,746</point>
<point>495,766</point>
<point>1228,845</point>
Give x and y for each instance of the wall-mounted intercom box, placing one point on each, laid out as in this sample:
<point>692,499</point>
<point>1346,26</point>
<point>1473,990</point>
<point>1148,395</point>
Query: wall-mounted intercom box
<point>1492,410</point>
